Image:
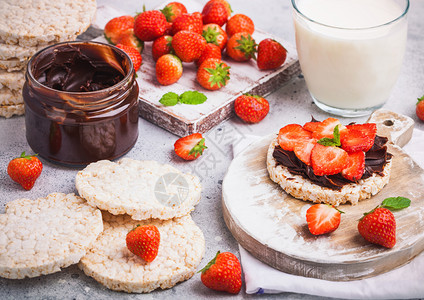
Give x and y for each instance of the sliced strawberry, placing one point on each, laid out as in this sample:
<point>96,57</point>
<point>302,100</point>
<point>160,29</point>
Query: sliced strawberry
<point>311,126</point>
<point>290,134</point>
<point>303,149</point>
<point>326,128</point>
<point>322,218</point>
<point>354,140</point>
<point>328,160</point>
<point>355,166</point>
<point>190,147</point>
<point>369,129</point>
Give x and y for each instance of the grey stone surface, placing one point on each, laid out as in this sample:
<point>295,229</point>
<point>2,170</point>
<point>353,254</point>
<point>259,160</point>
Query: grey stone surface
<point>291,103</point>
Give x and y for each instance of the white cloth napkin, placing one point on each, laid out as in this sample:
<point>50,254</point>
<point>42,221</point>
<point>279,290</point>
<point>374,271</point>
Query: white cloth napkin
<point>405,282</point>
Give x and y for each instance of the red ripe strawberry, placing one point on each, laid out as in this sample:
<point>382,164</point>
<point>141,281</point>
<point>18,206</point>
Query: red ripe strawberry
<point>223,273</point>
<point>271,54</point>
<point>227,6</point>
<point>169,69</point>
<point>311,126</point>
<point>239,23</point>
<point>241,47</point>
<point>190,147</point>
<point>326,128</point>
<point>115,27</point>
<point>215,12</point>
<point>213,74</point>
<point>379,227</point>
<point>191,22</point>
<point>173,10</point>
<point>290,135</point>
<point>214,34</point>
<point>144,241</point>
<point>251,108</point>
<point>303,150</point>
<point>353,140</point>
<point>162,46</point>
<point>210,51</point>
<point>419,109</point>
<point>133,54</point>
<point>322,218</point>
<point>355,166</point>
<point>149,25</point>
<point>328,160</point>
<point>188,45</point>
<point>129,39</point>
<point>25,170</point>
<point>369,129</point>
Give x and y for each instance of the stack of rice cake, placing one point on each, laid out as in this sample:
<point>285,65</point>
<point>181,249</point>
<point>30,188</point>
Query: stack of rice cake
<point>27,26</point>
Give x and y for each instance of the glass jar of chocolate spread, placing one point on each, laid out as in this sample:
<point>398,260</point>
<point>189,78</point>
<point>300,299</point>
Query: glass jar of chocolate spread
<point>81,103</point>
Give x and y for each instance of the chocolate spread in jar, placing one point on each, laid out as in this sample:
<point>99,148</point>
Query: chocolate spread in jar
<point>375,160</point>
<point>81,103</point>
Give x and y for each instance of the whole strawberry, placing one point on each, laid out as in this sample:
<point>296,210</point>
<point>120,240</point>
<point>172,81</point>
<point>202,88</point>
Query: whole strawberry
<point>271,54</point>
<point>149,25</point>
<point>144,241</point>
<point>239,23</point>
<point>129,39</point>
<point>223,273</point>
<point>169,69</point>
<point>241,47</point>
<point>191,22</point>
<point>162,46</point>
<point>25,170</point>
<point>215,12</point>
<point>173,10</point>
<point>210,51</point>
<point>251,108</point>
<point>213,74</point>
<point>133,54</point>
<point>214,34</point>
<point>190,147</point>
<point>188,45</point>
<point>420,108</point>
<point>116,26</point>
<point>379,225</point>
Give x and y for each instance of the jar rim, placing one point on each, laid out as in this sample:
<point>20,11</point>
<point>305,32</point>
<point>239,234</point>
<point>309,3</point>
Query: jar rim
<point>129,74</point>
<point>403,14</point>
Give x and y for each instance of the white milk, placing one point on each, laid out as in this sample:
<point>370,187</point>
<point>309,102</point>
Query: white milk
<point>350,68</point>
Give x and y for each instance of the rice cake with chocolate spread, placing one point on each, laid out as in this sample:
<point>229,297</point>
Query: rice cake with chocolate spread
<point>304,189</point>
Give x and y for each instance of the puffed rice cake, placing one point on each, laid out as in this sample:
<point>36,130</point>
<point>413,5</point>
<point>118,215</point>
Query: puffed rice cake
<point>181,249</point>
<point>141,189</point>
<point>304,189</point>
<point>10,97</point>
<point>30,23</point>
<point>12,80</point>
<point>8,111</point>
<point>39,237</point>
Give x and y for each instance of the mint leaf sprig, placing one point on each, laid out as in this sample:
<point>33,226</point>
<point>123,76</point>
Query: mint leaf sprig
<point>188,97</point>
<point>392,203</point>
<point>335,141</point>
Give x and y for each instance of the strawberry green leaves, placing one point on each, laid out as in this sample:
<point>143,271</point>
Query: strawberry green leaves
<point>188,97</point>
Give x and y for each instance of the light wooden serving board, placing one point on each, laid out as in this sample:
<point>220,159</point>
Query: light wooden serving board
<point>271,224</point>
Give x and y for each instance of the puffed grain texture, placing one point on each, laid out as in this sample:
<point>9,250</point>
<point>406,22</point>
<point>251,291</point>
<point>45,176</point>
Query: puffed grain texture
<point>12,80</point>
<point>128,187</point>
<point>304,189</point>
<point>10,97</point>
<point>109,261</point>
<point>30,23</point>
<point>13,64</point>
<point>8,51</point>
<point>8,111</point>
<point>39,237</point>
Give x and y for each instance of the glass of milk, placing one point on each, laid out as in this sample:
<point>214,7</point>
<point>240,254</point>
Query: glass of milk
<point>350,51</point>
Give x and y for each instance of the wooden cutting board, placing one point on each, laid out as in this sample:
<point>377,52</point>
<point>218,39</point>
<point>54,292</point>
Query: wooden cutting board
<point>271,224</point>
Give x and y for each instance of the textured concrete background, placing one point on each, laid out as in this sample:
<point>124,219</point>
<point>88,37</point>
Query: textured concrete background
<point>291,103</point>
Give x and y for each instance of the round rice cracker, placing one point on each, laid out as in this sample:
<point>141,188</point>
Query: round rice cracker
<point>10,97</point>
<point>141,189</point>
<point>9,111</point>
<point>181,249</point>
<point>42,22</point>
<point>12,80</point>
<point>39,237</point>
<point>304,189</point>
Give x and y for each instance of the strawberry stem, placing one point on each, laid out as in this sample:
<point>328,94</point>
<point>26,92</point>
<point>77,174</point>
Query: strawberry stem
<point>23,155</point>
<point>210,264</point>
<point>198,149</point>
